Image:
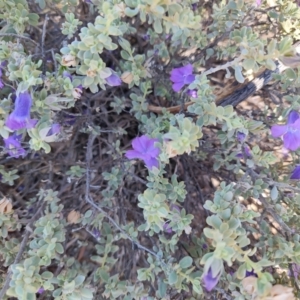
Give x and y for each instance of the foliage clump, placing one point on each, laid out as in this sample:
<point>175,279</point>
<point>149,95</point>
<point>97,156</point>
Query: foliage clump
<point>124,175</point>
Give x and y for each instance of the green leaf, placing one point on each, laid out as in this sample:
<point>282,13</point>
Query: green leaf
<point>241,272</point>
<point>103,274</point>
<point>59,248</point>
<point>185,262</point>
<point>157,26</point>
<point>197,286</point>
<point>79,280</point>
<point>125,55</point>
<point>249,64</point>
<point>34,18</point>
<point>125,44</point>
<point>173,278</point>
<point>273,14</point>
<point>113,30</point>
<point>272,46</point>
<point>290,73</point>
<point>162,289</point>
<point>131,12</point>
<point>270,64</point>
<point>41,3</point>
<point>238,74</point>
<point>274,193</point>
<point>86,293</point>
<point>47,275</point>
<point>88,214</point>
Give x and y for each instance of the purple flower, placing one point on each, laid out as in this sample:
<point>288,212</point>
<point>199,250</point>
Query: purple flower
<point>69,120</point>
<point>167,228</point>
<point>113,80</point>
<point>143,148</point>
<point>210,280</point>
<point>66,74</point>
<point>55,128</point>
<point>175,207</point>
<point>296,271</point>
<point>247,153</point>
<point>258,2</point>
<point>240,136</point>
<point>296,173</point>
<point>182,76</point>
<point>96,233</point>
<point>13,146</point>
<point>146,37</point>
<point>41,290</point>
<point>192,93</point>
<point>251,273</point>
<point>20,116</point>
<point>194,6</point>
<point>290,131</point>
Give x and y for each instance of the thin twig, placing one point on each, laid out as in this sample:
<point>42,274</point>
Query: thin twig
<point>43,43</point>
<point>20,37</point>
<point>223,67</point>
<point>54,61</point>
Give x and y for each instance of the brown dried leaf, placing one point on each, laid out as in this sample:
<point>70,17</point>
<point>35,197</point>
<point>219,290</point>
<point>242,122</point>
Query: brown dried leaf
<point>250,284</point>
<point>73,217</point>
<point>5,206</point>
<point>127,77</point>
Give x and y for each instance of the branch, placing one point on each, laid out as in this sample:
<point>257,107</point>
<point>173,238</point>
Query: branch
<point>43,42</point>
<point>20,37</point>
<point>237,96</point>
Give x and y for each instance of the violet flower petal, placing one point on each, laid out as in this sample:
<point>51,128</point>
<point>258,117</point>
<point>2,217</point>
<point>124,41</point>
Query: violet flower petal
<point>209,281</point>
<point>278,130</point>
<point>167,228</point>
<point>138,143</point>
<point>150,147</point>
<point>13,146</point>
<point>144,148</point>
<point>251,273</point>
<point>293,117</point>
<point>296,173</point>
<point>20,117</point>
<point>177,86</point>
<point>182,76</point>
<point>152,162</point>
<point>192,93</point>
<point>113,80</point>
<point>176,76</point>
<point>189,79</point>
<point>291,141</point>
<point>66,74</point>
<point>54,129</point>
<point>132,154</point>
<point>240,136</point>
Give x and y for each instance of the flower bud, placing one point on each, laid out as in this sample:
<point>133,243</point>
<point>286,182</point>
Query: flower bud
<point>68,60</point>
<point>77,92</point>
<point>5,206</point>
